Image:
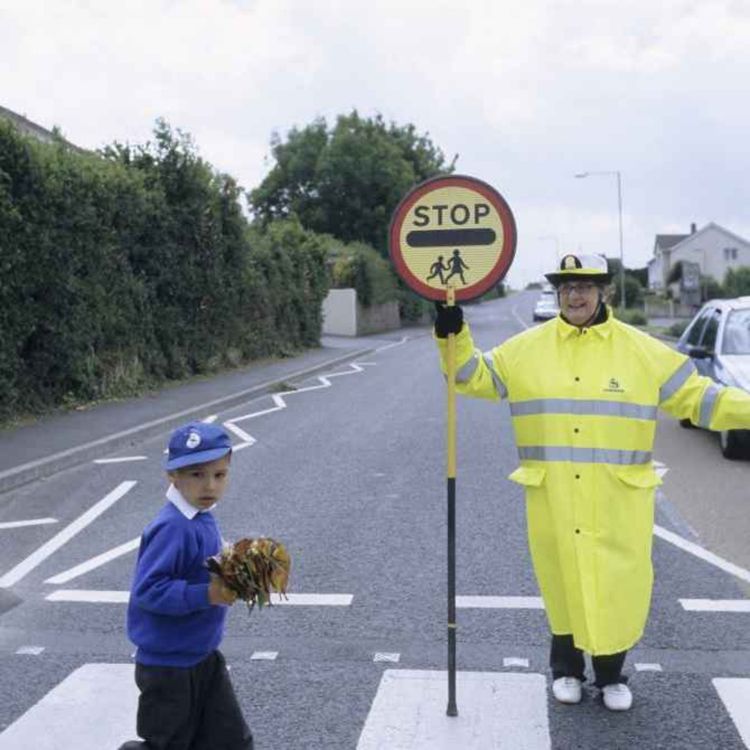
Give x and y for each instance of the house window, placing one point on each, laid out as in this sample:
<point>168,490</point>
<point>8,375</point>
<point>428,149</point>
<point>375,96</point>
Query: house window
<point>730,253</point>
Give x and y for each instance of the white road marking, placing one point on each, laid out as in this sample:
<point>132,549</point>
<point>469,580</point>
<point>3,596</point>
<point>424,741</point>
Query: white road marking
<point>264,655</point>
<point>65,535</point>
<point>93,708</point>
<point>87,595</point>
<point>314,600</point>
<point>702,553</point>
<point>121,597</point>
<point>515,315</point>
<point>394,658</point>
<point>120,460</point>
<point>715,605</point>
<point>403,340</point>
<point>31,522</point>
<point>515,661</point>
<point>241,446</point>
<point>502,711</point>
<point>735,694</point>
<point>95,562</point>
<point>30,650</point>
<point>280,403</point>
<point>240,433</point>
<point>499,602</point>
<point>646,667</point>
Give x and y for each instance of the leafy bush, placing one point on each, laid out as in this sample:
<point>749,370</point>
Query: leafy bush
<point>135,265</point>
<point>737,282</point>
<point>633,317</point>
<point>359,266</point>
<point>678,328</point>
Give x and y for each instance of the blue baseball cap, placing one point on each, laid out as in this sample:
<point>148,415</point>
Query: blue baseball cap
<point>197,443</point>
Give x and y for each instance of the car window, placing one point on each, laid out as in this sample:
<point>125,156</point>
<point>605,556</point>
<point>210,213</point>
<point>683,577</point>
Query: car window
<point>736,338</point>
<point>710,331</point>
<point>694,334</point>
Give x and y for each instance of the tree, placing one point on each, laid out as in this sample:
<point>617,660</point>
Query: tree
<point>737,282</point>
<point>347,180</point>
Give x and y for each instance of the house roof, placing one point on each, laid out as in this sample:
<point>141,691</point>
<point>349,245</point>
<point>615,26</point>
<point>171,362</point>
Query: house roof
<point>666,241</point>
<point>27,127</point>
<point>714,225</point>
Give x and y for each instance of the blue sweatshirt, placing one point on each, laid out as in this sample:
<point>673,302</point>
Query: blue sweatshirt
<point>170,619</point>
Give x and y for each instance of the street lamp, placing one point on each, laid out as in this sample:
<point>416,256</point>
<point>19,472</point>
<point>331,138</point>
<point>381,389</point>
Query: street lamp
<point>619,213</point>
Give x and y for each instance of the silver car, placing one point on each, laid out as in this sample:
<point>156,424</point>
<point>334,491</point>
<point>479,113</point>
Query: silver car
<point>718,342</point>
<point>546,306</point>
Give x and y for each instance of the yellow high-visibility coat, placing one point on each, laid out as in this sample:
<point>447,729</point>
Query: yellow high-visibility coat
<point>583,404</point>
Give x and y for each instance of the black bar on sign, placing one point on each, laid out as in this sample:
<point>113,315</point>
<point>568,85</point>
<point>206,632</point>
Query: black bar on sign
<point>450,237</point>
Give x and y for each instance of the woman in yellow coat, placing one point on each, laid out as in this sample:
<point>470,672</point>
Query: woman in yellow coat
<point>584,389</point>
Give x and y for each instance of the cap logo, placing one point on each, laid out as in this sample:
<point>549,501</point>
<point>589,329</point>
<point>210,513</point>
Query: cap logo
<point>570,262</point>
<point>193,440</point>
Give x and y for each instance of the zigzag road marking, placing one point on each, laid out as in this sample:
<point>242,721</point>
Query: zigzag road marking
<point>280,403</point>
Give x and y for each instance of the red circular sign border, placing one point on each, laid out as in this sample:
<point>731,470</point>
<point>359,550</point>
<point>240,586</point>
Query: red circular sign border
<point>499,270</point>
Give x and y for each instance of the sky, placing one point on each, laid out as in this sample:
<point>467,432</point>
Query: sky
<point>528,94</point>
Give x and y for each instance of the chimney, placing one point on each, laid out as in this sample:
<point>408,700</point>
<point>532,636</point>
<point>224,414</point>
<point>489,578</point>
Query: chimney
<point>692,228</point>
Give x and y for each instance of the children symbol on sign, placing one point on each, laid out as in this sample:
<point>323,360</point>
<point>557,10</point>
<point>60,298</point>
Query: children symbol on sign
<point>457,266</point>
<point>437,268</point>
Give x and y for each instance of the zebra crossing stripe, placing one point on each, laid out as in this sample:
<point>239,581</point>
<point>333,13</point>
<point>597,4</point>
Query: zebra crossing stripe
<point>122,597</point>
<point>495,709</point>
<point>93,708</point>
<point>499,602</point>
<point>735,694</point>
<point>715,605</point>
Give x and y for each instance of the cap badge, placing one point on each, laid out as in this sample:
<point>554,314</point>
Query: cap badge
<point>570,262</point>
<point>193,440</point>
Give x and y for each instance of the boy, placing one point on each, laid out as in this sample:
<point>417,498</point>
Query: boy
<point>177,608</point>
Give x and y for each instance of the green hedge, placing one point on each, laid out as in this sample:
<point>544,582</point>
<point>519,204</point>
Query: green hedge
<point>358,266</point>
<point>126,268</point>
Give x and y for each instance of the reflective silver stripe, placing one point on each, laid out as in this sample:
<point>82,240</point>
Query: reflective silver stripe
<point>684,371</point>
<point>499,385</point>
<point>707,405</point>
<point>466,371</point>
<point>588,407</point>
<point>582,455</point>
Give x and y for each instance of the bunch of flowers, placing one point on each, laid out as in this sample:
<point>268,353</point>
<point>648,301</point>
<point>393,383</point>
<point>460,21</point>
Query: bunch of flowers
<point>253,569</point>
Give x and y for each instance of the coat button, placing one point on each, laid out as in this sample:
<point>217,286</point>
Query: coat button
<point>578,476</point>
<point>578,531</point>
<point>575,429</point>
<point>577,380</point>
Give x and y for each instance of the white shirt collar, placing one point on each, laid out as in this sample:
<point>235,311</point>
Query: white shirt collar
<point>175,497</point>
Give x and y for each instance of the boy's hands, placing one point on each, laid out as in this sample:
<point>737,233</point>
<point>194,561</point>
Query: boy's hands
<point>219,592</point>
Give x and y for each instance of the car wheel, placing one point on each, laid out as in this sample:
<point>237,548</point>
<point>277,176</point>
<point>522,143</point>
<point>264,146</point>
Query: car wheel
<point>732,445</point>
<point>686,423</point>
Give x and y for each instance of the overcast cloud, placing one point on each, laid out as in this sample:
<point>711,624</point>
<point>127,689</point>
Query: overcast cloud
<point>527,93</point>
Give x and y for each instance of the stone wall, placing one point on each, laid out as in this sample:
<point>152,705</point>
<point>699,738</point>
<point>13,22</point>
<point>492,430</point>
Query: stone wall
<point>344,316</point>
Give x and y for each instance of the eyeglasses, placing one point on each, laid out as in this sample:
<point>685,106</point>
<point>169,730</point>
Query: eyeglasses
<point>581,287</point>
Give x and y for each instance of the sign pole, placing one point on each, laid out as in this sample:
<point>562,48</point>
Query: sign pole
<point>452,238</point>
<point>452,709</point>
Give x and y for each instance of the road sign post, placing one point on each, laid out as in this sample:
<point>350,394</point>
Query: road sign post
<point>469,223</point>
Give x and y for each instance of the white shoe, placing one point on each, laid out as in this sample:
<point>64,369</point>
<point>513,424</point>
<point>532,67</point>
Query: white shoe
<point>617,697</point>
<point>567,689</point>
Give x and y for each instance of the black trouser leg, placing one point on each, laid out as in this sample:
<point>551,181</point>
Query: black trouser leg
<point>565,659</point>
<point>608,669</point>
<point>167,707</point>
<point>222,725</point>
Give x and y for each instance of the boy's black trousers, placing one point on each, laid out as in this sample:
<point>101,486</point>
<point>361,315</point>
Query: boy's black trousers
<point>193,708</point>
<point>567,661</point>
